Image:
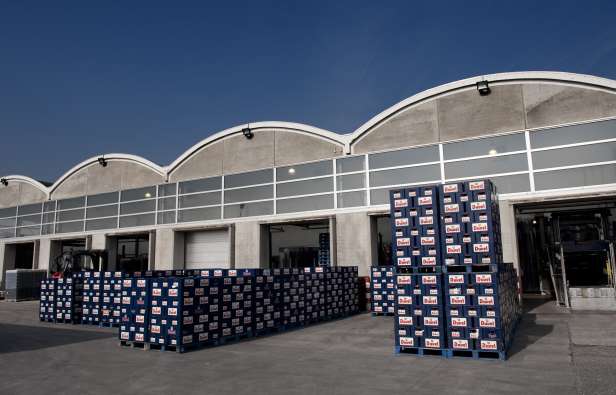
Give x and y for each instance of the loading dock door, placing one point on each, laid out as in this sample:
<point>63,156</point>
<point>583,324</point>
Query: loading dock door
<point>207,249</point>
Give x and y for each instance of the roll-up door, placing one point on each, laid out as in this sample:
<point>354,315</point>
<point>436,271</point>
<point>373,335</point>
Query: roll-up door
<point>207,249</point>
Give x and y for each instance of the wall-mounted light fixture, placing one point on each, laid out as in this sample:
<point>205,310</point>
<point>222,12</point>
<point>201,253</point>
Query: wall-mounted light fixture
<point>102,161</point>
<point>4,181</point>
<point>291,170</point>
<point>492,152</point>
<point>484,88</point>
<point>247,132</point>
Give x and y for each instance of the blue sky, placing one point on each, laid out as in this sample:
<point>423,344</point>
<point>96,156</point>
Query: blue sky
<point>79,79</point>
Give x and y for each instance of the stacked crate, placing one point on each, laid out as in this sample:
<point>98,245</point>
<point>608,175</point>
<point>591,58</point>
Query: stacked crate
<point>237,303</point>
<point>134,312</point>
<point>69,299</point>
<point>314,299</point>
<point>419,326</point>
<point>324,250</point>
<point>350,290</point>
<point>334,292</point>
<point>293,297</point>
<point>264,302</point>
<point>47,307</point>
<point>111,298</point>
<point>383,287</point>
<point>91,297</point>
<point>481,290</point>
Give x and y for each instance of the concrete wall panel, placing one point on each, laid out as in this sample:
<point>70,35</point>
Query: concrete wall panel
<point>550,104</point>
<point>30,194</point>
<point>297,147</point>
<point>136,176</point>
<point>206,162</point>
<point>104,179</point>
<point>468,114</point>
<point>247,244</point>
<point>242,154</point>
<point>413,126</point>
<point>353,241</point>
<point>75,185</point>
<point>9,195</point>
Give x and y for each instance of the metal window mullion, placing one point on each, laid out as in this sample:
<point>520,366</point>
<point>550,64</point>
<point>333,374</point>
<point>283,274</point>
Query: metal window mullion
<point>42,212</point>
<point>85,204</point>
<point>335,184</point>
<point>441,160</point>
<point>529,158</point>
<point>275,184</point>
<point>222,197</point>
<point>156,206</point>
<point>367,178</point>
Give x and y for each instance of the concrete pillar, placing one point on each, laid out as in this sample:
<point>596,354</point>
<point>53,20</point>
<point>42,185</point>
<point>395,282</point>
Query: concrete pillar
<point>7,254</point>
<point>508,233</point>
<point>248,246</point>
<point>151,249</point>
<point>44,255</point>
<point>169,250</point>
<point>353,241</point>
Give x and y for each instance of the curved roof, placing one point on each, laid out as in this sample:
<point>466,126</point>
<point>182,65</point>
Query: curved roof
<point>35,183</point>
<point>588,81</point>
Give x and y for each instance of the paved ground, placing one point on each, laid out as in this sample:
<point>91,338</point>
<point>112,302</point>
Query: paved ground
<point>555,352</point>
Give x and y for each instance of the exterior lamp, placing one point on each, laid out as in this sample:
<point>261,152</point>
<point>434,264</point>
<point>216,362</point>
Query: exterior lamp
<point>102,161</point>
<point>4,181</point>
<point>291,170</point>
<point>484,88</point>
<point>247,132</point>
<point>492,152</point>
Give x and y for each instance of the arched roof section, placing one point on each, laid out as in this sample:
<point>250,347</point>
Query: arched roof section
<point>25,179</point>
<point>527,96</point>
<point>21,190</point>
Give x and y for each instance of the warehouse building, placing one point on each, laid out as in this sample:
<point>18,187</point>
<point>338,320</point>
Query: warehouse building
<point>278,194</point>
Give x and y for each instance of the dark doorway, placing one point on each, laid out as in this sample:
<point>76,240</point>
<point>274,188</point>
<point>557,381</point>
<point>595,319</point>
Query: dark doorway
<point>383,241</point>
<point>72,245</point>
<point>299,244</point>
<point>24,255</point>
<point>133,253</point>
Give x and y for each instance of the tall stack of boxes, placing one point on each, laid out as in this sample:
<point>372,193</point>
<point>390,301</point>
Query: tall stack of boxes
<point>69,298</point>
<point>350,289</point>
<point>47,307</point>
<point>237,303</point>
<point>111,298</point>
<point>314,299</point>
<point>324,250</point>
<point>383,290</point>
<point>134,313</point>
<point>264,307</point>
<point>91,297</point>
<point>419,323</point>
<point>293,297</point>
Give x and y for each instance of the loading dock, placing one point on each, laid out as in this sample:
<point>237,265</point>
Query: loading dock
<point>300,244</point>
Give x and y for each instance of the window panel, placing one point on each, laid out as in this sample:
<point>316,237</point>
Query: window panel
<point>201,199</point>
<point>138,207</point>
<point>308,203</point>
<point>6,233</point>
<point>379,196</point>
<point>8,212</point>
<point>68,227</point>
<point>575,155</point>
<point>249,209</point>
<point>353,181</point>
<point>30,209</point>
<point>166,204</point>
<point>49,206</point>
<point>580,177</point>
<point>66,204</point>
<point>511,184</point>
<point>138,194</point>
<point>199,214</point>
<point>405,175</point>
<point>246,194</point>
<point>47,229</point>
<point>303,171</point>
<point>103,223</point>
<point>250,178</point>
<point>403,157</point>
<point>203,184</point>
<point>351,199</point>
<point>354,163</point>
<point>484,146</point>
<point>7,222</point>
<point>166,217</point>
<point>29,220</point>
<point>48,218</point>
<point>69,215</point>
<point>102,211</point>
<point>31,231</point>
<point>137,220</point>
<point>305,187</point>
<point>103,198</point>
<point>573,134</point>
<point>479,167</point>
<point>167,190</point>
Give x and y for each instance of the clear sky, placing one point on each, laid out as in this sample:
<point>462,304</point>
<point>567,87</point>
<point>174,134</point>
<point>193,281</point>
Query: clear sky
<point>83,78</point>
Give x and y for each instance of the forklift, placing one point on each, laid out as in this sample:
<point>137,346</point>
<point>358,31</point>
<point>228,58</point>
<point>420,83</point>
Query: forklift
<point>80,261</point>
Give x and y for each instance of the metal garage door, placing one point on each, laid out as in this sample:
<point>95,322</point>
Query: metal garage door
<point>207,249</point>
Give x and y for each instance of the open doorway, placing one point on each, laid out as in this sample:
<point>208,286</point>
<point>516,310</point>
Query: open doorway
<point>382,239</point>
<point>299,244</point>
<point>133,252</point>
<point>24,256</point>
<point>567,248</point>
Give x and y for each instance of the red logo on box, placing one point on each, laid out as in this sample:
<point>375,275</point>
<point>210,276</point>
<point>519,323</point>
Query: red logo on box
<point>454,249</point>
<point>480,227</point>
<point>401,203</point>
<point>487,323</point>
<point>425,200</point>
<point>403,242</point>
<point>405,320</point>
<point>452,208</point>
<point>433,343</point>
<point>460,344</point>
<point>402,222</point>
<point>456,279</point>
<point>428,280</point>
<point>458,322</point>
<point>483,247</point>
<point>407,341</point>
<point>406,261</point>
<point>430,300</point>
<point>476,185</point>
<point>488,345</point>
<point>483,278</point>
<point>427,241</point>
<point>406,280</point>
<point>457,300</point>
<point>431,321</point>
<point>455,228</point>
<point>172,311</point>
<point>405,300</point>
<point>450,188</point>
<point>476,206</point>
<point>156,310</point>
<point>486,300</point>
<point>426,220</point>
<point>428,261</point>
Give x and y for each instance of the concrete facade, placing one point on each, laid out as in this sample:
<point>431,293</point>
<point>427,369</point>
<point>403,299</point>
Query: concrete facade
<point>518,101</point>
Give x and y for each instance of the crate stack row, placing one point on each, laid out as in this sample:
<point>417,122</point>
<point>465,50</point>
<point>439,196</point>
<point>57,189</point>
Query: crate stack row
<point>91,297</point>
<point>180,313</point>
<point>324,250</point>
<point>482,306</point>
<point>68,296</point>
<point>419,312</point>
<point>111,298</point>
<point>383,290</point>
<point>47,306</point>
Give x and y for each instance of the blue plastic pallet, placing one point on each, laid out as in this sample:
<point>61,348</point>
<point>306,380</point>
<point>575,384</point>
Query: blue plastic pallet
<point>476,354</point>
<point>420,351</point>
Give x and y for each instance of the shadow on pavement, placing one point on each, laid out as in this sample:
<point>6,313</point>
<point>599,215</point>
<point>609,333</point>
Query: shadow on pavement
<point>17,338</point>
<point>529,331</point>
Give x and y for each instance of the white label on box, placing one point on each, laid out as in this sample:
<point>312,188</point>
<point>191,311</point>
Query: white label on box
<point>455,278</point>
<point>413,213</point>
<point>454,249</point>
<point>466,239</point>
<point>403,242</point>
<point>489,345</point>
<point>483,279</point>
<point>482,247</point>
<point>188,320</point>
<point>430,300</point>
<point>476,185</point>
<point>173,292</point>
<point>405,261</point>
<point>433,343</point>
<point>377,286</point>
<point>157,292</point>
<point>453,228</point>
<point>156,310</point>
<point>405,300</point>
<point>124,335</point>
<point>457,299</point>
<point>450,188</point>
<point>402,222</point>
<point>141,283</point>
<point>485,239</point>
<point>485,300</point>
<point>203,336</point>
<point>378,309</point>
<point>424,200</point>
<point>172,311</point>
<point>460,344</point>
<point>426,220</point>
<point>477,206</point>
<point>187,339</point>
<point>452,208</point>
<point>487,322</point>
<point>428,261</point>
<point>232,273</point>
<point>404,280</point>
<point>401,203</point>
<point>414,232</point>
<point>458,321</point>
<point>139,337</point>
<point>431,321</point>
<point>199,328</point>
<point>480,227</point>
<point>402,320</point>
<point>429,241</point>
<point>416,252</point>
<point>397,195</point>
<point>428,280</point>
<point>155,328</point>
<point>407,341</point>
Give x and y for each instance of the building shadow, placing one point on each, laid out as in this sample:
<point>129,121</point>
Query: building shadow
<point>18,338</point>
<point>529,331</point>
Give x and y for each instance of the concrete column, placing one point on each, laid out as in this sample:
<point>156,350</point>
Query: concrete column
<point>508,234</point>
<point>98,242</point>
<point>247,244</point>
<point>7,254</point>
<point>164,251</point>
<point>151,249</point>
<point>353,241</point>
<point>44,255</point>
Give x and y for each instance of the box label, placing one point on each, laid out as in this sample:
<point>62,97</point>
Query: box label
<point>431,321</point>
<point>428,261</point>
<point>481,248</point>
<point>485,300</point>
<point>430,300</point>
<point>402,222</point>
<point>405,300</point>
<point>477,206</point>
<point>405,320</point>
<point>403,242</point>
<point>426,220</point>
<point>483,279</point>
<point>428,280</point>
<point>401,203</point>
<point>406,280</point>
<point>427,241</point>
<point>433,343</point>
<point>458,322</point>
<point>480,227</point>
<point>450,188</point>
<point>489,345</point>
<point>456,278</point>
<point>405,261</point>
<point>452,208</point>
<point>424,200</point>
<point>460,344</point>
<point>476,185</point>
<point>454,249</point>
<point>487,322</point>
<point>457,299</point>
<point>453,228</point>
<point>407,341</point>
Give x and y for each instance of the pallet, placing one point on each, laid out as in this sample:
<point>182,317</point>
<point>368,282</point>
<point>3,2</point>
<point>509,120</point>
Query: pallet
<point>52,320</point>
<point>419,270</point>
<point>108,324</point>
<point>374,314</point>
<point>235,338</point>
<point>470,269</point>
<point>133,344</point>
<point>476,354</point>
<point>66,321</point>
<point>421,351</point>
